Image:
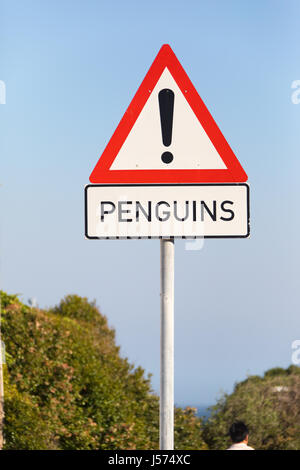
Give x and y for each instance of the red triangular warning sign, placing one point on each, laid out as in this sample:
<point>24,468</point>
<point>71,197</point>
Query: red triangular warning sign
<point>167,135</point>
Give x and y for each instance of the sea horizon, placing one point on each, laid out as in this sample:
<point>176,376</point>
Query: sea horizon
<point>202,409</point>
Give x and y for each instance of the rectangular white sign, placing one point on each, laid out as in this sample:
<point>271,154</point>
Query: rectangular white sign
<point>167,210</point>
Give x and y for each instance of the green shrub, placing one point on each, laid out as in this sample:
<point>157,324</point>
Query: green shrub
<point>270,406</point>
<point>67,387</point>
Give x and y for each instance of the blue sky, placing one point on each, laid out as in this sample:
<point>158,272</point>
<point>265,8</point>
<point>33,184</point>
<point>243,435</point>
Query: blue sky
<point>71,69</point>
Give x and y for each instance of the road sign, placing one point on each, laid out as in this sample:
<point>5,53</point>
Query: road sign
<point>155,211</point>
<point>167,172</point>
<point>167,135</point>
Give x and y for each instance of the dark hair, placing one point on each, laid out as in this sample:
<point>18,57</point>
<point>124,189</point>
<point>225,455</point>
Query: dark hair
<point>238,431</point>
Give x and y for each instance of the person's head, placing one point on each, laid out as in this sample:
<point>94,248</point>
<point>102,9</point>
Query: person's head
<point>239,432</point>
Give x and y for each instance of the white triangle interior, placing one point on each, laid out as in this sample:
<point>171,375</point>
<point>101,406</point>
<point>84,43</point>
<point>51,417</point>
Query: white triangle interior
<point>190,147</point>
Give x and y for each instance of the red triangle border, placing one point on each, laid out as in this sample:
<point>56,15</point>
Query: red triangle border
<point>234,173</point>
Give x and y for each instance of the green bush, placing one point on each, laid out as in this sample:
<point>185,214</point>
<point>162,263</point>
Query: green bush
<point>270,406</point>
<point>67,387</point>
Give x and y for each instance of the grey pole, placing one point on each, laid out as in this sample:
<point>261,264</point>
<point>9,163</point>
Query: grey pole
<point>166,434</point>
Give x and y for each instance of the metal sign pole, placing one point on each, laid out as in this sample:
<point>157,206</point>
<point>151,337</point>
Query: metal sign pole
<point>166,429</point>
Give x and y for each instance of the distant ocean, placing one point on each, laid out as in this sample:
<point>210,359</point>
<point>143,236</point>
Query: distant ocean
<point>202,410</point>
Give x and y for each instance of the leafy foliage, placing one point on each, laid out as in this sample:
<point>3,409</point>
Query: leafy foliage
<point>188,430</point>
<point>270,406</point>
<point>66,386</point>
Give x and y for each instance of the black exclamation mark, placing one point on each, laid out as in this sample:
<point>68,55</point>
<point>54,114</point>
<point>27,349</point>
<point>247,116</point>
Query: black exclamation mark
<point>166,107</point>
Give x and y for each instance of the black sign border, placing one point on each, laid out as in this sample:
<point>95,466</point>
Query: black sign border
<point>165,237</point>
